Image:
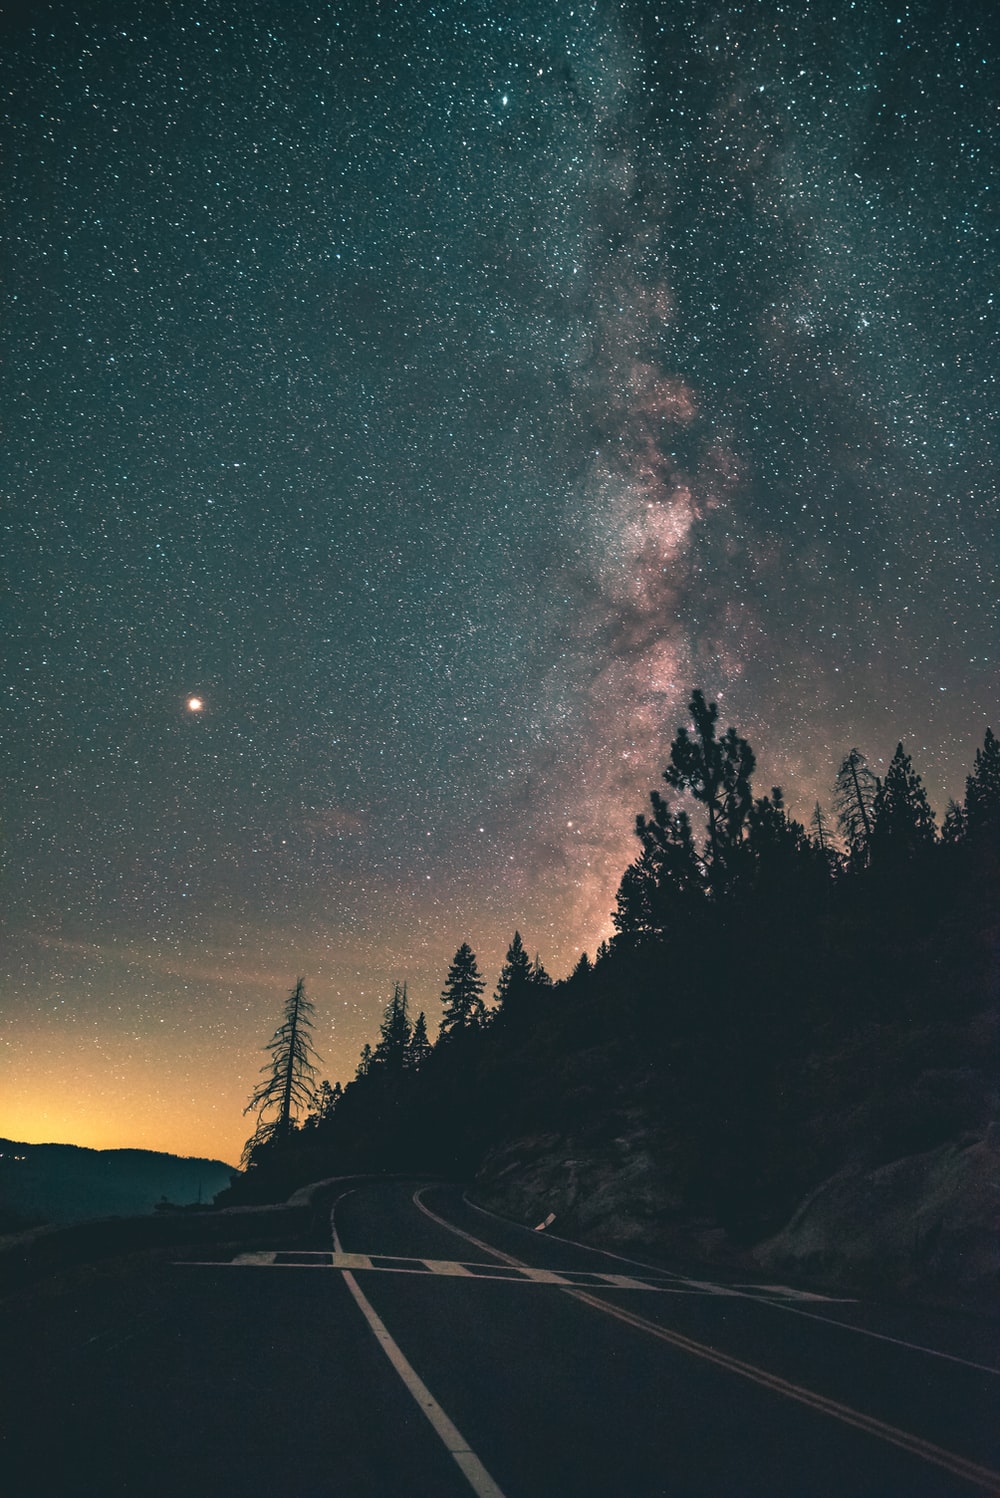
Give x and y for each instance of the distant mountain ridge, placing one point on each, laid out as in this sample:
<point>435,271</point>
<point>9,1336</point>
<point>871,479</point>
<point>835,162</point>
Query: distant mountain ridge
<point>59,1183</point>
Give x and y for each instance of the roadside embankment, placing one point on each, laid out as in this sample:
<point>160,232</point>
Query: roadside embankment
<point>924,1228</point>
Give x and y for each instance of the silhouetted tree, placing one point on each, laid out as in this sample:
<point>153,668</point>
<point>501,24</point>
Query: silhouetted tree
<point>287,1086</point>
<point>326,1100</point>
<point>584,967</point>
<point>662,882</point>
<point>418,1047</point>
<point>854,794</point>
<point>774,837</point>
<point>982,791</point>
<point>539,976</point>
<point>515,982</point>
<point>462,995</point>
<point>955,824</point>
<point>820,829</point>
<point>902,823</point>
<point>394,1034</point>
<point>717,773</point>
<point>365,1063</point>
<point>634,916</point>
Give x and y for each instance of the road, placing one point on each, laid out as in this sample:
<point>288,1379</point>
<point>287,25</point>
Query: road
<point>423,1347</point>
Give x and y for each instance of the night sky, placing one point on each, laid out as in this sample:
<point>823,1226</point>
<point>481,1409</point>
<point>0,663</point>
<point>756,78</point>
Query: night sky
<point>438,392</point>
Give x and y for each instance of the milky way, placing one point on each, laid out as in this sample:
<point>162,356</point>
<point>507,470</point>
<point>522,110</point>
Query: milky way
<point>436,395</point>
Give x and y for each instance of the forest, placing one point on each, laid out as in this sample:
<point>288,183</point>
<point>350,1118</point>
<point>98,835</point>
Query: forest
<point>778,1000</point>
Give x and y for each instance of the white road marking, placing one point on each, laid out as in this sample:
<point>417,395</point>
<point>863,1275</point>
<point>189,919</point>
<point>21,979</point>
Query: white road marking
<point>445,1266</point>
<point>623,1282</point>
<point>786,1291</point>
<point>352,1261</point>
<point>473,1270</point>
<point>462,1454</point>
<point>711,1288</point>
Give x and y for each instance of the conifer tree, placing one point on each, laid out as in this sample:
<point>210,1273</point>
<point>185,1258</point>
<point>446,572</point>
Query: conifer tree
<point>820,829</point>
<point>717,773</point>
<point>856,789</point>
<point>955,824</point>
<point>902,823</point>
<point>394,1034</point>
<point>982,791</point>
<point>662,882</point>
<point>539,976</point>
<point>418,1047</point>
<point>365,1064</point>
<point>287,1086</point>
<point>462,995</point>
<point>583,969</point>
<point>325,1101</point>
<point>634,916</point>
<point>515,982</point>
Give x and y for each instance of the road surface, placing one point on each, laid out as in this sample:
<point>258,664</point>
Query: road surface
<point>420,1348</point>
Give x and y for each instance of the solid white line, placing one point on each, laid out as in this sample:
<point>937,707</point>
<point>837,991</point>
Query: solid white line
<point>496,1253</point>
<point>455,1443</point>
<point>465,1458</point>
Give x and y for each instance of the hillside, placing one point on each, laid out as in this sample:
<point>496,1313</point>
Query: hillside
<point>785,1049</point>
<point>58,1183</point>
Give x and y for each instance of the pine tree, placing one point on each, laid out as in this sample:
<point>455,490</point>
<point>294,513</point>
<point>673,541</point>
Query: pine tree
<point>462,995</point>
<point>658,889</point>
<point>902,823</point>
<point>634,915</point>
<point>515,982</point>
<point>325,1101</point>
<point>365,1064</point>
<point>820,829</point>
<point>539,976</point>
<point>583,969</point>
<point>855,792</point>
<point>982,791</point>
<point>717,773</point>
<point>783,856</point>
<point>287,1086</point>
<point>418,1047</point>
<point>955,824</point>
<point>394,1034</point>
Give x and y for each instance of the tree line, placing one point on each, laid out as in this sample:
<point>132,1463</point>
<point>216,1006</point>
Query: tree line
<point>775,999</point>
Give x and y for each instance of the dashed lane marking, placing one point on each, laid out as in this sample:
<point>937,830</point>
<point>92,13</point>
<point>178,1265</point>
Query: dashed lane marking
<point>511,1274</point>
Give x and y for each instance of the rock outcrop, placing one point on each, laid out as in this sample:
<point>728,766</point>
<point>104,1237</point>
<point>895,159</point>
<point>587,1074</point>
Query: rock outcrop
<point>926,1226</point>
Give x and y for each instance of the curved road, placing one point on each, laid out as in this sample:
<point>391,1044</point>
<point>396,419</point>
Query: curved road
<point>424,1347</point>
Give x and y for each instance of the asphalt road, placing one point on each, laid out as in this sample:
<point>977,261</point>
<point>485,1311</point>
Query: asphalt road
<point>427,1348</point>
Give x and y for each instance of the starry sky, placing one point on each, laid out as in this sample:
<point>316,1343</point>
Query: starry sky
<point>438,392</point>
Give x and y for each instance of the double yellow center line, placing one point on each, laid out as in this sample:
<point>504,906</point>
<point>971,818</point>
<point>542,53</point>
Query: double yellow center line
<point>958,1466</point>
